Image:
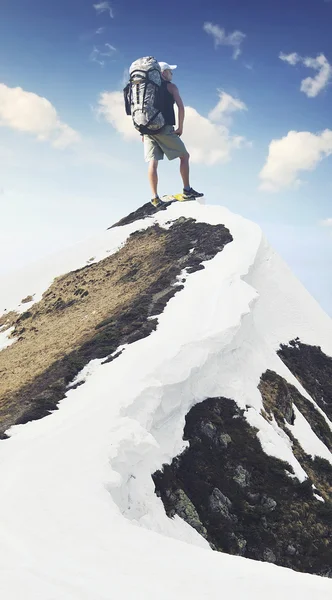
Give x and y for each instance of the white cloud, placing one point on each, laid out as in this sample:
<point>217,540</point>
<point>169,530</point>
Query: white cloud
<point>28,112</point>
<point>226,106</point>
<point>102,7</point>
<point>110,50</point>
<point>311,86</point>
<point>66,136</point>
<point>326,222</point>
<point>100,56</point>
<point>292,59</point>
<point>95,57</point>
<point>111,107</point>
<point>220,37</point>
<point>207,142</point>
<point>297,151</point>
<point>100,30</point>
<point>90,153</point>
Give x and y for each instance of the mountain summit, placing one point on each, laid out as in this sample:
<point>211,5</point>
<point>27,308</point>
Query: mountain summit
<point>165,403</point>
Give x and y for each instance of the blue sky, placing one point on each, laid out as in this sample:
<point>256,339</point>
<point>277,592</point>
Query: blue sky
<point>255,78</point>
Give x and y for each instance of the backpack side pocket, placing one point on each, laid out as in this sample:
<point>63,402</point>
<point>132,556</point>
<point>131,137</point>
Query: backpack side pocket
<point>127,98</point>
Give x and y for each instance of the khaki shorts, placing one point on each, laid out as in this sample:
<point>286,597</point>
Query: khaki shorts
<point>166,142</point>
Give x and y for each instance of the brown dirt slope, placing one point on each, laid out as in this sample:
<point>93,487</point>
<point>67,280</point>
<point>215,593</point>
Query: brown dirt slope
<point>88,313</point>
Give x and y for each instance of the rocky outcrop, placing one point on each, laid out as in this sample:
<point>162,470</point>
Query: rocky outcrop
<point>146,210</point>
<point>279,398</point>
<point>275,391</point>
<point>183,507</point>
<point>248,502</point>
<point>312,368</point>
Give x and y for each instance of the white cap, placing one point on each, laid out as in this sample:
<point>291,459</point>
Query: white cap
<point>164,66</point>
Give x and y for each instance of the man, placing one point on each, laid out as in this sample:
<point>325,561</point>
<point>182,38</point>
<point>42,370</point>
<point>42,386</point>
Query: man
<point>168,141</point>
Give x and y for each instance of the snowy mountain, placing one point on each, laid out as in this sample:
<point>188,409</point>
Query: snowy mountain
<point>165,391</point>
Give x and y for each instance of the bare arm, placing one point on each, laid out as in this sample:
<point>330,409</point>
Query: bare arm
<point>172,88</point>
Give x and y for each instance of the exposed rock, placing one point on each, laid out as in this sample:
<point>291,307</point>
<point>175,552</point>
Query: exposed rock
<point>220,503</point>
<point>8,319</point>
<point>27,299</point>
<point>224,439</point>
<point>242,543</point>
<point>273,387</point>
<point>277,398</point>
<point>291,550</point>
<point>211,431</point>
<point>253,497</point>
<point>141,213</point>
<point>186,510</point>
<point>239,543</point>
<point>242,476</point>
<point>312,368</point>
<point>269,556</point>
<point>245,498</point>
<point>268,503</point>
<point>264,522</point>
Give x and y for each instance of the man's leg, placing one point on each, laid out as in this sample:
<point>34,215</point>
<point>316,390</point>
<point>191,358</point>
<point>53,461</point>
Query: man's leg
<point>153,177</point>
<point>184,169</point>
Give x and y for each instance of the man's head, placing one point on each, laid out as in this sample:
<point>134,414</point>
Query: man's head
<point>167,70</point>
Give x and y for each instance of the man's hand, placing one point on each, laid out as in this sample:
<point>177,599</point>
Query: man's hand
<point>178,131</point>
<point>142,138</point>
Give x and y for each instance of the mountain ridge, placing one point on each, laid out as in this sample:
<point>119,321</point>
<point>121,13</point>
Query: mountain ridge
<point>222,328</point>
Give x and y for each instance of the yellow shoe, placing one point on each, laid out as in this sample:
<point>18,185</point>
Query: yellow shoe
<point>156,201</point>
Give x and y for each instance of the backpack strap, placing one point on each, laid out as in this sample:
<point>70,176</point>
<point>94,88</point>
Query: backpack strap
<point>143,129</point>
<point>143,78</point>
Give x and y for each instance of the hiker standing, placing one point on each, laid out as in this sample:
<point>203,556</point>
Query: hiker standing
<point>158,133</point>
<point>168,140</point>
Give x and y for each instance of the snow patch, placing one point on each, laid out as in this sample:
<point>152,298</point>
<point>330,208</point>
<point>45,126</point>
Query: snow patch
<point>69,479</point>
<point>5,340</point>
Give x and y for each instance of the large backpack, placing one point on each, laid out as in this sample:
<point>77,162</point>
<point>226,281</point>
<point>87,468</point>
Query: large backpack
<point>143,96</point>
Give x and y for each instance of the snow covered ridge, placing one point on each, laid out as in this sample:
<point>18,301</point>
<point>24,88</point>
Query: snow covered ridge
<point>178,325</point>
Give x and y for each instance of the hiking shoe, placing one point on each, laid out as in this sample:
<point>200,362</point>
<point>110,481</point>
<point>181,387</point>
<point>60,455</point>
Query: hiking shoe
<point>156,201</point>
<point>190,194</point>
